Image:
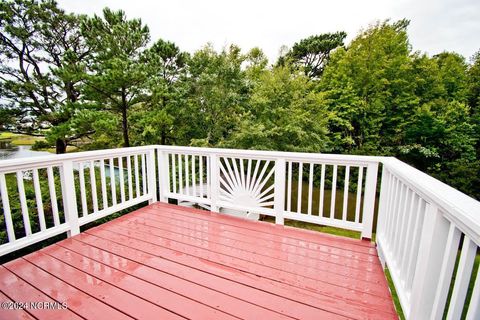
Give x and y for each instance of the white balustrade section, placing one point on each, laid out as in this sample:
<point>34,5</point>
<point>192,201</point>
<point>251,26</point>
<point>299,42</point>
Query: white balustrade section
<point>70,191</point>
<point>424,227</point>
<point>279,184</point>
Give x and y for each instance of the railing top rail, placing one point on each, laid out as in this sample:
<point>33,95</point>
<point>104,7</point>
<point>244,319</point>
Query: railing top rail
<point>458,207</point>
<point>12,165</point>
<point>295,156</point>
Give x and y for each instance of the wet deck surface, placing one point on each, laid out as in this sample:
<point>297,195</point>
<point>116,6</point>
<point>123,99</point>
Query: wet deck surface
<point>169,262</point>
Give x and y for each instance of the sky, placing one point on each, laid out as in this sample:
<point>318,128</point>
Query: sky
<point>436,25</point>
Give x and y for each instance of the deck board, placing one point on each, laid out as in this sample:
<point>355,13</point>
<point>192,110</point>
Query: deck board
<point>170,262</point>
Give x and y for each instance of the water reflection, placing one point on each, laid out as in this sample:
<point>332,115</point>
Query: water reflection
<point>11,151</point>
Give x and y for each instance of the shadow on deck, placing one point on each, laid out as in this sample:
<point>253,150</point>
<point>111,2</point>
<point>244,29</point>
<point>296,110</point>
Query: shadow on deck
<point>169,262</point>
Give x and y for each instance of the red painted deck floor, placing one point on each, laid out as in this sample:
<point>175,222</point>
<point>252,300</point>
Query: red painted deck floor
<point>169,262</point>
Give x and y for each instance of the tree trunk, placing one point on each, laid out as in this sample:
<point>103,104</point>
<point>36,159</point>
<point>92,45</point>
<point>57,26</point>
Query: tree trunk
<point>163,140</point>
<point>60,146</point>
<point>126,142</point>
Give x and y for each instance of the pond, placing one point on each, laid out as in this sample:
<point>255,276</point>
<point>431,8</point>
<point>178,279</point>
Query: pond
<point>11,151</point>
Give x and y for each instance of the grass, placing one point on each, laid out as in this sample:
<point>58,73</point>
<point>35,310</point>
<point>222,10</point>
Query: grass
<point>20,139</point>
<point>393,291</point>
<point>316,227</point>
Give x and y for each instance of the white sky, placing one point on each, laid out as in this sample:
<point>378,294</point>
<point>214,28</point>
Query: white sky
<point>436,26</point>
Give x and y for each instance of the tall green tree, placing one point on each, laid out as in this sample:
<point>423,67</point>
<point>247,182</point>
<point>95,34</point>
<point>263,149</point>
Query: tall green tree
<point>155,120</point>
<point>285,113</point>
<point>372,79</point>
<point>116,79</point>
<point>312,54</point>
<point>217,95</point>
<point>41,52</point>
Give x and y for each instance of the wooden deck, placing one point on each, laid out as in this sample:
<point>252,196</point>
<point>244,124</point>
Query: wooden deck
<point>169,262</point>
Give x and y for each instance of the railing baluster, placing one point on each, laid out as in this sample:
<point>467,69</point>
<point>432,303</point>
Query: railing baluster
<point>93,184</point>
<point>53,196</point>
<point>137,177</point>
<point>289,187</point>
<point>406,229</point>
<point>200,164</point>
<point>236,172</point>
<point>129,178</point>
<point>23,203</point>
<point>229,175</point>
<point>38,200</point>
<point>194,187</point>
<point>260,181</point>
<point>242,173</point>
<point>121,178</point>
<point>408,239</point>
<point>474,308</point>
<point>462,279</point>
<point>279,189</point>
<point>430,255</point>
<point>180,174</point>
<point>345,193</point>
<point>334,191</point>
<point>187,180</point>
<point>254,176</point>
<point>299,187</point>
<point>310,189</point>
<point>447,266</point>
<point>322,191</point>
<point>103,182</point>
<point>393,209</point>
<point>143,157</point>
<point>249,171</point>
<point>401,222</point>
<point>6,208</point>
<point>83,195</point>
<point>413,255</point>
<point>113,185</point>
<point>208,177</point>
<point>359,194</point>
<point>369,201</point>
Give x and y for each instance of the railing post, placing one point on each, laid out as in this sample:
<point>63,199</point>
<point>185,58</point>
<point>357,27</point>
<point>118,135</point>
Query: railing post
<point>433,240</point>
<point>382,210</point>
<point>369,200</point>
<point>163,175</point>
<point>279,196</point>
<point>69,197</point>
<point>151,176</point>
<point>214,182</point>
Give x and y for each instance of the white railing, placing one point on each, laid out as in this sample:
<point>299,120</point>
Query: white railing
<point>75,189</point>
<point>272,184</point>
<point>421,222</point>
<point>424,228</point>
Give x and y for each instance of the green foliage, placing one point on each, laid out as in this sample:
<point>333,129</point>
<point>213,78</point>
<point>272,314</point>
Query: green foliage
<point>41,145</point>
<point>312,54</point>
<point>116,77</point>
<point>41,52</point>
<point>216,97</point>
<point>285,113</point>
